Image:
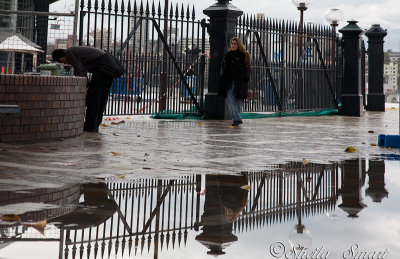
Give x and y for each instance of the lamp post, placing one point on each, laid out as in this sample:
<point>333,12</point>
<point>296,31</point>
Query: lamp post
<point>302,5</point>
<point>163,75</point>
<point>334,16</point>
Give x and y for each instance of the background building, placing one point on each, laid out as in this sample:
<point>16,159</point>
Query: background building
<point>392,76</point>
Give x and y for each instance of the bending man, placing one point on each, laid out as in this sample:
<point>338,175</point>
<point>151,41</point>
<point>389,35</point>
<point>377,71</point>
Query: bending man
<point>104,68</point>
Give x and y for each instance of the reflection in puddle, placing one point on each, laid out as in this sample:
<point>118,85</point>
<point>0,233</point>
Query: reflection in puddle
<point>198,215</point>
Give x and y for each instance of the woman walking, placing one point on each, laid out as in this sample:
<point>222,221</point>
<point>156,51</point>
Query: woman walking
<point>235,75</point>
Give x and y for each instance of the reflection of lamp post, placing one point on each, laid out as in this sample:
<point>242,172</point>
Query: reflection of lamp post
<point>299,237</point>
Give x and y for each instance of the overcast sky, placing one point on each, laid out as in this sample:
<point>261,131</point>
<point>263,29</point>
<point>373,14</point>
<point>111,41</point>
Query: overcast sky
<point>367,12</point>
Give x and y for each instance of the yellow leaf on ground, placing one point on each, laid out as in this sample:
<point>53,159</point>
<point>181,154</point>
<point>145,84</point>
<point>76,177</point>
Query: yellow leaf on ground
<point>116,153</point>
<point>104,125</point>
<point>128,118</point>
<point>350,150</point>
<point>305,161</point>
<point>10,217</point>
<point>122,176</point>
<point>231,127</point>
<point>372,145</point>
<point>245,187</point>
<point>201,123</point>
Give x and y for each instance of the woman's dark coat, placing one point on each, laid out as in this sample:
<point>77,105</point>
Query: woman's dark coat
<point>234,70</point>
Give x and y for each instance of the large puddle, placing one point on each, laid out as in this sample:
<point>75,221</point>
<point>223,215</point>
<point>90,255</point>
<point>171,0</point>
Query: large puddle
<point>297,210</point>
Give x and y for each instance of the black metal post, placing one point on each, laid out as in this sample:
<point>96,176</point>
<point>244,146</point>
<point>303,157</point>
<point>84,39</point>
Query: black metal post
<point>376,95</point>
<point>223,20</point>
<point>352,104</point>
<point>42,22</point>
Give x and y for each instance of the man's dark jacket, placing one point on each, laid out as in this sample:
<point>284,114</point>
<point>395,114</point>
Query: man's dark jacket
<point>87,59</point>
<point>234,70</point>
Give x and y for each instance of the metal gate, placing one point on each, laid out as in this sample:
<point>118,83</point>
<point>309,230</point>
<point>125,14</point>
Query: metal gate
<point>293,67</point>
<point>162,50</point>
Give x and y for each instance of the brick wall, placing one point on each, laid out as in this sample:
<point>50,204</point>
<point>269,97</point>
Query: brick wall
<point>67,198</point>
<point>52,107</point>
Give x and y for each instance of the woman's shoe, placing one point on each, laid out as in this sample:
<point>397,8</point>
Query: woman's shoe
<point>237,123</point>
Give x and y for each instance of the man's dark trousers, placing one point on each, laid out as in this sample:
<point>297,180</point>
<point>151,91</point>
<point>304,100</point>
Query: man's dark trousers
<point>96,100</point>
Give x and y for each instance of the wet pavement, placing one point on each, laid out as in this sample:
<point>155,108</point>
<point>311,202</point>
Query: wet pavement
<point>193,189</point>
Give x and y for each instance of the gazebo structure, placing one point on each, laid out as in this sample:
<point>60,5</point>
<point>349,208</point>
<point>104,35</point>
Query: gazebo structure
<point>12,43</point>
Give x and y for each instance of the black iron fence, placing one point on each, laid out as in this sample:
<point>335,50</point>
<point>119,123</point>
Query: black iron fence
<point>163,51</point>
<point>294,67</point>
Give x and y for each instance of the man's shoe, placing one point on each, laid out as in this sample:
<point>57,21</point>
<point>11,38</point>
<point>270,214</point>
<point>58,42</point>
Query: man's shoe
<point>237,123</point>
<point>91,130</point>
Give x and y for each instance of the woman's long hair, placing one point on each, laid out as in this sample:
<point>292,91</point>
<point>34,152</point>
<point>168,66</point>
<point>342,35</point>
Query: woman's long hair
<point>242,49</point>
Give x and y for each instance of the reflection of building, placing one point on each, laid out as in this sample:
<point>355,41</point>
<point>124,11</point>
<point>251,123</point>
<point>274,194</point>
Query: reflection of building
<point>391,78</point>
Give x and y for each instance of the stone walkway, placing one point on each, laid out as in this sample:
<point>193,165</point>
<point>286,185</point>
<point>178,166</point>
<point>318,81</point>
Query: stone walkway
<point>143,147</point>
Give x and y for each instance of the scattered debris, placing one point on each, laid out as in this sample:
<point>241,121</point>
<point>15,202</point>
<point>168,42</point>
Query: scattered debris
<point>116,123</point>
<point>10,217</point>
<point>305,161</point>
<point>350,150</point>
<point>245,187</point>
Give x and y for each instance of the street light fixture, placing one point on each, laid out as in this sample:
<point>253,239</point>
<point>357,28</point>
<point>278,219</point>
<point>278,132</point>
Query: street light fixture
<point>302,5</point>
<point>334,16</point>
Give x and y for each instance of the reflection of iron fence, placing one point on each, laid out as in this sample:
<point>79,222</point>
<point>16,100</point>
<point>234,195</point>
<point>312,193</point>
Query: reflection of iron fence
<point>29,37</point>
<point>152,214</point>
<point>293,68</point>
<point>290,191</point>
<point>157,213</point>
